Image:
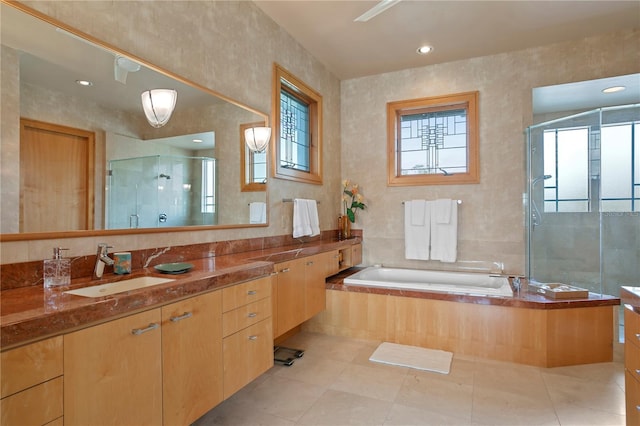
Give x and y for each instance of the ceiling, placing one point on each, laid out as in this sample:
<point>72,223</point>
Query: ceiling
<point>455,29</point>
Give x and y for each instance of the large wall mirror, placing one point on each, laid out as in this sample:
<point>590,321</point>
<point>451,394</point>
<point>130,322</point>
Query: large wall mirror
<point>81,159</point>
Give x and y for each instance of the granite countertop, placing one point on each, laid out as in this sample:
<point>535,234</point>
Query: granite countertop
<point>32,313</point>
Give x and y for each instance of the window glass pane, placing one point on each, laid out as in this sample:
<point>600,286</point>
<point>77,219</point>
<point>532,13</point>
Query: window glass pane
<point>616,162</point>
<point>636,149</point>
<point>615,205</point>
<point>549,147</point>
<point>208,186</point>
<point>549,206</point>
<point>433,141</point>
<point>573,162</point>
<point>573,206</point>
<point>294,132</point>
<point>259,167</point>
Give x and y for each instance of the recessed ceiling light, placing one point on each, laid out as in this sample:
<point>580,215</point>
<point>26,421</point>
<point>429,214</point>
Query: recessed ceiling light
<point>614,89</point>
<point>84,82</point>
<point>423,50</point>
<point>197,140</point>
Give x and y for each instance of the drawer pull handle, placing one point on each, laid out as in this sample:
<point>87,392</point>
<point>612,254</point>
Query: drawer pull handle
<point>309,263</point>
<point>139,331</point>
<point>638,372</point>
<point>181,317</point>
<point>252,315</point>
<point>254,337</point>
<point>638,336</point>
<point>252,292</point>
<point>637,407</point>
<point>285,270</point>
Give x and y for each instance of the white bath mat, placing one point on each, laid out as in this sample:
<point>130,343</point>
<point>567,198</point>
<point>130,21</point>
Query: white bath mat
<point>413,357</point>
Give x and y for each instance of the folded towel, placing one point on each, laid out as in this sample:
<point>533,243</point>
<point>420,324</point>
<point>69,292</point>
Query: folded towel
<point>442,210</point>
<point>417,212</point>
<point>305,218</point>
<point>258,212</point>
<point>312,208</point>
<point>416,237</point>
<point>444,236</point>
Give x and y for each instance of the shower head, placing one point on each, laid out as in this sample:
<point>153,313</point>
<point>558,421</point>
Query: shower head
<point>539,178</point>
<point>162,175</point>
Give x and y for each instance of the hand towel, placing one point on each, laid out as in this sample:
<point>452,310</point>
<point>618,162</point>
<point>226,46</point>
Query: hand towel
<point>258,212</point>
<point>312,208</point>
<point>416,237</point>
<point>444,236</point>
<point>301,220</point>
<point>442,210</point>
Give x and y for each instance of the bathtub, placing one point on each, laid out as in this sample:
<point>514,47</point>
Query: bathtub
<point>425,280</point>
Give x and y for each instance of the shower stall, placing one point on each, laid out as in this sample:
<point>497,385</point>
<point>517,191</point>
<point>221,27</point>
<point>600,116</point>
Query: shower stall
<point>161,191</point>
<point>582,199</point>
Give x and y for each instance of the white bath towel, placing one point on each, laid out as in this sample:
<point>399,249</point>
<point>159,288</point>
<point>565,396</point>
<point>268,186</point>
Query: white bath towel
<point>444,236</point>
<point>258,212</point>
<point>312,207</point>
<point>416,237</point>
<point>417,212</point>
<point>305,218</point>
<point>442,210</point>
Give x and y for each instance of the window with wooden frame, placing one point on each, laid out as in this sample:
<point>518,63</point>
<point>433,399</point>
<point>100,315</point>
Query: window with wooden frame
<point>296,129</point>
<point>253,165</point>
<point>433,141</point>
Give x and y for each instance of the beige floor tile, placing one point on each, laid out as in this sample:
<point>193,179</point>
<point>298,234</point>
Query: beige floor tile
<point>342,408</point>
<point>492,405</point>
<point>369,382</point>
<point>435,394</point>
<point>402,415</point>
<point>285,398</point>
<point>231,412</point>
<point>581,416</point>
<point>608,372</point>
<point>568,391</point>
<point>329,347</point>
<point>313,369</point>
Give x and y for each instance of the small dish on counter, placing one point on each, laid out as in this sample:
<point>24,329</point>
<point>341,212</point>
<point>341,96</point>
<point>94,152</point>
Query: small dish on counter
<point>174,268</point>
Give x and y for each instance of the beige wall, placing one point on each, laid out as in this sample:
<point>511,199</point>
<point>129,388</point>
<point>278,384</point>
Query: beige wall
<point>491,222</point>
<point>229,47</point>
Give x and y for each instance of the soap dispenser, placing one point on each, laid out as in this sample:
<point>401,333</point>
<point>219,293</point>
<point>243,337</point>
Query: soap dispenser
<point>57,271</point>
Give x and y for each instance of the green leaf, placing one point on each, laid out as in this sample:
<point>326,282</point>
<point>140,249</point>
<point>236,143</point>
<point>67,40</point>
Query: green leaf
<point>351,216</point>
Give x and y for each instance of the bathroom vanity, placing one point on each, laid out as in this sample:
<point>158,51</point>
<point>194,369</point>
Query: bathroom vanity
<point>631,300</point>
<point>164,354</point>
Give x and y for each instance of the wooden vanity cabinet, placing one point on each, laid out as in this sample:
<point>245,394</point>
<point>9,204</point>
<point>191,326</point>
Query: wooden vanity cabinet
<point>632,364</point>
<point>315,275</point>
<point>31,384</point>
<point>247,342</point>
<point>113,372</point>
<point>333,262</point>
<point>290,295</point>
<point>191,358</point>
<point>350,256</point>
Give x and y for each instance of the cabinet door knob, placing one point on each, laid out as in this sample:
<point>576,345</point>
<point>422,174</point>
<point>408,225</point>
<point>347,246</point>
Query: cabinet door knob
<point>252,315</point>
<point>254,337</point>
<point>138,331</point>
<point>181,317</point>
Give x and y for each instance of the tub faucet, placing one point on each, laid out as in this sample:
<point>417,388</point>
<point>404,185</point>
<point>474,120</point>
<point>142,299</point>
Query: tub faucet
<point>102,259</point>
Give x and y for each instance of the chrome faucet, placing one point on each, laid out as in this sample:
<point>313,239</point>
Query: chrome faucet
<point>102,259</point>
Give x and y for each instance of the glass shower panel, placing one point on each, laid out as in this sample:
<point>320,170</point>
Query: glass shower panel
<point>160,191</point>
<point>563,231</point>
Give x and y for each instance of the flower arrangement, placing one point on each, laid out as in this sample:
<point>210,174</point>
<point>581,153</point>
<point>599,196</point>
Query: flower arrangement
<point>352,199</point>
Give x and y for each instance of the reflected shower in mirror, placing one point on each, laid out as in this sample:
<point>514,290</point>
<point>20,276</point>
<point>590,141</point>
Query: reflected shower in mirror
<point>64,84</point>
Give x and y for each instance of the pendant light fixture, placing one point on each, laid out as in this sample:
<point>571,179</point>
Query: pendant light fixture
<point>257,138</point>
<point>158,105</point>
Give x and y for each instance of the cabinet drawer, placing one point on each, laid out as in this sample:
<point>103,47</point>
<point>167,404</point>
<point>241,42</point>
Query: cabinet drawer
<point>632,392</point>
<point>245,316</point>
<point>631,326</point>
<point>29,365</point>
<point>246,354</point>
<point>35,406</point>
<point>632,359</point>
<point>238,295</point>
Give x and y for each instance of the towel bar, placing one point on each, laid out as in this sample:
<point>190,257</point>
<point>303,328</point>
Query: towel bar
<point>290,200</point>
<point>457,201</point>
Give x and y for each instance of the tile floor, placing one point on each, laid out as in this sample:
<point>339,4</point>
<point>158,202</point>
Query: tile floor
<point>334,383</point>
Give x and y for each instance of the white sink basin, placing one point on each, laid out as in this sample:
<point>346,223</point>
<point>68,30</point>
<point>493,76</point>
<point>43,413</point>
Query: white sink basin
<point>119,287</point>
